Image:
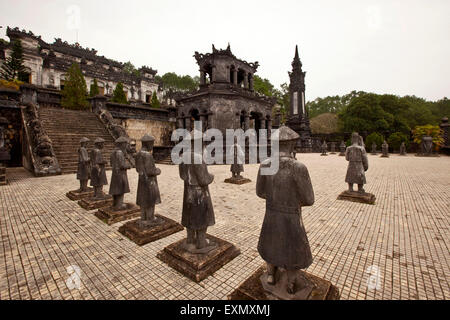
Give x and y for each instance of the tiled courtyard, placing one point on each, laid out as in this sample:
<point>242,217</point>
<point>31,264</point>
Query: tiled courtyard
<point>405,235</point>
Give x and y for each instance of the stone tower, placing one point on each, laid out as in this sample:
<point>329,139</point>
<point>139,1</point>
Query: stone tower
<point>298,119</point>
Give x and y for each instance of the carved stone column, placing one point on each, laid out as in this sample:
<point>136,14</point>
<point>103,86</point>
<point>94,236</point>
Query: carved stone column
<point>213,74</point>
<point>187,121</point>
<point>202,77</point>
<point>262,124</point>
<point>251,82</point>
<point>235,74</point>
<point>247,122</point>
<point>246,80</point>
<point>203,118</point>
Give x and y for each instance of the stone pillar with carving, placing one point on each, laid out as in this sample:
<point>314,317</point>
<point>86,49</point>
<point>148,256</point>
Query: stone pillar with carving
<point>246,80</point>
<point>235,76</point>
<point>251,83</point>
<point>202,77</point>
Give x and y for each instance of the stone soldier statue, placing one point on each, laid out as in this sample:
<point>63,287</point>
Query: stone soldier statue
<point>83,170</point>
<point>342,148</point>
<point>119,179</point>
<point>147,192</point>
<point>357,164</point>
<point>198,212</point>
<point>385,149</point>
<point>403,149</point>
<point>98,173</point>
<point>237,168</point>
<point>333,147</point>
<point>283,242</point>
<point>374,148</point>
<point>324,148</point>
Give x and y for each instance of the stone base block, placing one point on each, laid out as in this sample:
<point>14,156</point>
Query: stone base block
<point>91,203</point>
<point>253,289</point>
<point>384,156</point>
<point>77,195</point>
<point>237,181</point>
<point>109,216</point>
<point>144,234</point>
<point>198,266</point>
<point>324,155</point>
<point>427,155</point>
<point>357,197</point>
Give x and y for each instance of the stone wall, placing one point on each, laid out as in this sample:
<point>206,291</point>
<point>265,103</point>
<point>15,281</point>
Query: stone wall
<point>160,130</point>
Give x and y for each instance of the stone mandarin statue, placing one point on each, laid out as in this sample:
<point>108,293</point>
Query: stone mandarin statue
<point>403,149</point>
<point>357,164</point>
<point>342,148</point>
<point>283,242</point>
<point>198,212</point>
<point>98,173</point>
<point>119,179</point>
<point>385,149</point>
<point>374,148</point>
<point>147,192</point>
<point>324,148</point>
<point>83,170</point>
<point>237,168</point>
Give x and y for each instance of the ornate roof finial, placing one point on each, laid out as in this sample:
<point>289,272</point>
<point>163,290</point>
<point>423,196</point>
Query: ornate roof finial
<point>296,63</point>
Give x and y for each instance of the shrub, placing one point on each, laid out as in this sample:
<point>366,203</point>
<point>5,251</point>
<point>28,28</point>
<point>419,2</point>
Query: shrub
<point>396,139</point>
<point>429,130</point>
<point>374,137</point>
<point>119,95</point>
<point>75,90</point>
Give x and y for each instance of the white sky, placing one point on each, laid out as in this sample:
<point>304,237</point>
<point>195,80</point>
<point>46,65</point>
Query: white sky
<point>396,46</point>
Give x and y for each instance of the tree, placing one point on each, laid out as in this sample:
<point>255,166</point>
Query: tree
<point>129,68</point>
<point>324,123</point>
<point>13,68</point>
<point>429,130</point>
<point>119,94</point>
<point>94,90</point>
<point>75,89</point>
<point>396,139</point>
<point>155,102</point>
<point>374,137</point>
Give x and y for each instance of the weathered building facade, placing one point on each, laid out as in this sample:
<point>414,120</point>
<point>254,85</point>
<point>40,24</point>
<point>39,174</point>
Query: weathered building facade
<point>226,98</point>
<point>298,119</point>
<point>48,64</point>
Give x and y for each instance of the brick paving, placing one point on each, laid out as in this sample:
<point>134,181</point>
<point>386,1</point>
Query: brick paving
<point>405,235</point>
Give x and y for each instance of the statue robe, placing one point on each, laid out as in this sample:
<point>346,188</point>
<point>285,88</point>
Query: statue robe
<point>198,212</point>
<point>147,190</point>
<point>357,164</point>
<point>98,175</point>
<point>83,169</point>
<point>283,241</point>
<point>119,179</point>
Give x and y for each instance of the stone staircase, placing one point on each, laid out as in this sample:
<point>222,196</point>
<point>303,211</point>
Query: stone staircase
<point>66,127</point>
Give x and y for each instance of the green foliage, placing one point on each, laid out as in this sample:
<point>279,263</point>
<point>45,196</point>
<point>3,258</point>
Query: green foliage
<point>129,68</point>
<point>374,137</point>
<point>330,104</point>
<point>94,89</point>
<point>324,123</point>
<point>396,139</point>
<point>12,84</point>
<point>172,82</point>
<point>155,102</point>
<point>75,89</point>
<point>119,94</point>
<point>13,68</point>
<point>429,130</point>
<point>263,86</point>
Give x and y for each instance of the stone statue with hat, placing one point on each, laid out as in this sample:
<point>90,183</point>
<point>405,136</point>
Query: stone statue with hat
<point>98,172</point>
<point>84,168</point>
<point>283,243</point>
<point>119,179</point>
<point>357,164</point>
<point>147,192</point>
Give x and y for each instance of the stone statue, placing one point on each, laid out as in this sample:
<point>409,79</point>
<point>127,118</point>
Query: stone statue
<point>147,192</point>
<point>119,179</point>
<point>98,173</point>
<point>84,167</point>
<point>427,145</point>
<point>385,149</point>
<point>283,242</point>
<point>403,149</point>
<point>361,142</point>
<point>342,148</point>
<point>324,148</point>
<point>357,164</point>
<point>237,168</point>
<point>198,212</point>
<point>333,147</point>
<point>374,148</point>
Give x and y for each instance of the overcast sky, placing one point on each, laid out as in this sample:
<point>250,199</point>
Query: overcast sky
<point>397,46</point>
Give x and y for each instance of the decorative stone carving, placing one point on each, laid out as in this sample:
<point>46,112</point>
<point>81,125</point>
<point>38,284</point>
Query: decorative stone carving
<point>358,164</point>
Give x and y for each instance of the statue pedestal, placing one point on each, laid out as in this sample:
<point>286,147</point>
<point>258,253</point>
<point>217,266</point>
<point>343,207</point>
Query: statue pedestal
<point>198,266</point>
<point>77,195</point>
<point>109,216</point>
<point>241,180</point>
<point>384,156</point>
<point>3,180</point>
<point>253,289</point>
<point>355,196</point>
<point>144,234</point>
<point>324,154</point>
<point>91,203</point>
<point>342,154</point>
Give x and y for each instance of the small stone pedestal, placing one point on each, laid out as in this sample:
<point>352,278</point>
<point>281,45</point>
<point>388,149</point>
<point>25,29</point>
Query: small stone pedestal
<point>240,180</point>
<point>198,266</point>
<point>253,289</point>
<point>356,196</point>
<point>324,154</point>
<point>78,195</point>
<point>109,216</point>
<point>384,156</point>
<point>91,203</point>
<point>141,235</point>
<point>3,180</point>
